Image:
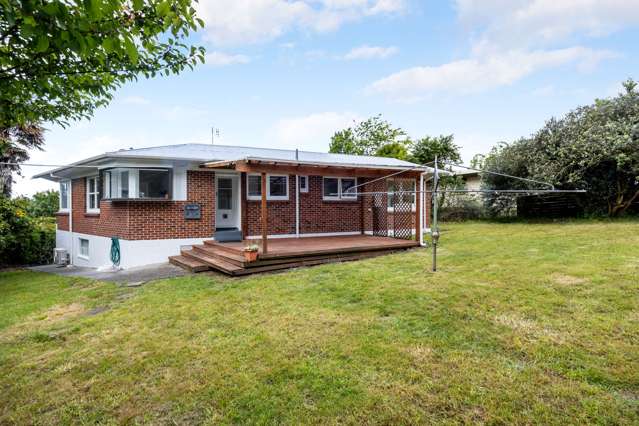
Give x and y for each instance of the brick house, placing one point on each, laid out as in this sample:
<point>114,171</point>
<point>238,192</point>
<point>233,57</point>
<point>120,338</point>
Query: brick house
<point>157,200</point>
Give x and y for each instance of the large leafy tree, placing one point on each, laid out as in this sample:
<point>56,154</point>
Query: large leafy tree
<point>370,137</point>
<point>425,149</point>
<point>60,59</point>
<point>594,147</point>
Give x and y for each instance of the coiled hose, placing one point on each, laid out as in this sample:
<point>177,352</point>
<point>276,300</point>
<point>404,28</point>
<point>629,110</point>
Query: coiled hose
<point>115,251</point>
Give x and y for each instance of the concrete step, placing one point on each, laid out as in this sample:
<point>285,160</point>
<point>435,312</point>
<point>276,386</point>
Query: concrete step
<point>223,236</point>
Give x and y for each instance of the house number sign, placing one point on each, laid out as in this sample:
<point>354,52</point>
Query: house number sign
<point>192,211</point>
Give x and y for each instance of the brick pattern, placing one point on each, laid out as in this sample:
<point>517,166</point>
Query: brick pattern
<point>62,220</point>
<point>280,214</point>
<point>147,220</point>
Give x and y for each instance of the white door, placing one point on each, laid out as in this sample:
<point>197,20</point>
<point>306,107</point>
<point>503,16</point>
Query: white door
<point>227,202</point>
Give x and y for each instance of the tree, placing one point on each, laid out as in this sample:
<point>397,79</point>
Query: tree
<point>44,204</point>
<point>425,149</point>
<point>368,137</point>
<point>393,150</point>
<point>15,143</point>
<point>594,147</point>
<point>60,60</point>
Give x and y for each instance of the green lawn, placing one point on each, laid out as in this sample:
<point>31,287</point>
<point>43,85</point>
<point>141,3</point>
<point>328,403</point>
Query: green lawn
<point>523,324</point>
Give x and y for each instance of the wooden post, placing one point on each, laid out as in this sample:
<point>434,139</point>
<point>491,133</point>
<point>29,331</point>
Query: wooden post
<point>418,216</point>
<point>264,216</point>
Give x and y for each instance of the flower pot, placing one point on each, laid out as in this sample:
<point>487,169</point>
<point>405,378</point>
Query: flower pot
<point>250,256</point>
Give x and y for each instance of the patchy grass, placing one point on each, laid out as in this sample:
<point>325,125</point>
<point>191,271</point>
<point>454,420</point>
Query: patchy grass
<point>523,324</point>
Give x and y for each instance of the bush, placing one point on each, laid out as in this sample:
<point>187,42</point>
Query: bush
<point>24,239</point>
<point>457,208</point>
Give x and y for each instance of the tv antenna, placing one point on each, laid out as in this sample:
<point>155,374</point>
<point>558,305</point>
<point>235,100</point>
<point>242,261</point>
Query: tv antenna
<point>215,133</point>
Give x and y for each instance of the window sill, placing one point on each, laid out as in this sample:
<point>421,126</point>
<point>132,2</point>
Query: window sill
<point>62,213</point>
<point>340,200</point>
<point>267,199</point>
<point>149,199</point>
<point>92,214</point>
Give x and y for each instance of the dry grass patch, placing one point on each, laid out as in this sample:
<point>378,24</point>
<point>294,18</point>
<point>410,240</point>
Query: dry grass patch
<point>565,279</point>
<point>528,329</point>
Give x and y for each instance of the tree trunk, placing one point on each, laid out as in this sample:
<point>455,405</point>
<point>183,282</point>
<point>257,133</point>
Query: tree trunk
<point>6,181</point>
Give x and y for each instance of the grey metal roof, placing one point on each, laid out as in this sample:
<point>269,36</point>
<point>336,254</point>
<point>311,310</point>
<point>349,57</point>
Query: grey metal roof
<point>210,153</point>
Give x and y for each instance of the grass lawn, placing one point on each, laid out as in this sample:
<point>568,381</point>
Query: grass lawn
<point>523,324</point>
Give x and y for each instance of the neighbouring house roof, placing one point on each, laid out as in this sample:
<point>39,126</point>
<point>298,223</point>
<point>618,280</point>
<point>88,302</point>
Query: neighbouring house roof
<point>209,153</point>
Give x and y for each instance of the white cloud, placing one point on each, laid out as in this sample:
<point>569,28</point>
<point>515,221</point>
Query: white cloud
<point>311,132</point>
<point>371,52</point>
<point>534,23</point>
<point>221,59</point>
<point>255,21</point>
<point>136,100</point>
<point>478,74</point>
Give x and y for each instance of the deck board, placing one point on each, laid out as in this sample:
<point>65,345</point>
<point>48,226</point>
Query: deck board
<point>286,253</point>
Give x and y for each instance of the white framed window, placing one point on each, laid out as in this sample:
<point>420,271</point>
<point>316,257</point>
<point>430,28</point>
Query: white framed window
<point>137,183</point>
<point>93,195</point>
<point>65,190</point>
<point>303,180</point>
<point>84,248</point>
<point>339,188</point>
<point>277,187</point>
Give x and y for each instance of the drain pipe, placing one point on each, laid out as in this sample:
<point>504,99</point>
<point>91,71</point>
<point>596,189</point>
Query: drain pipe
<point>422,209</point>
<point>297,199</point>
<point>297,206</point>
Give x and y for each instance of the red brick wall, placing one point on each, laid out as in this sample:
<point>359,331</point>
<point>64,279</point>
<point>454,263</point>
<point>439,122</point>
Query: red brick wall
<point>281,214</point>
<point>147,220</point>
<point>62,219</point>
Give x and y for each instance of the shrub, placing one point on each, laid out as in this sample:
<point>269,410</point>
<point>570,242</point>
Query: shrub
<point>24,239</point>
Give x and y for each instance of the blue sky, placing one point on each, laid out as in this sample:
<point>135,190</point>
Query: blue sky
<point>289,73</point>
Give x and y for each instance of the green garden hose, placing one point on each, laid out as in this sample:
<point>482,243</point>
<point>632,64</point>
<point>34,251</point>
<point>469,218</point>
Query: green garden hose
<point>115,251</point>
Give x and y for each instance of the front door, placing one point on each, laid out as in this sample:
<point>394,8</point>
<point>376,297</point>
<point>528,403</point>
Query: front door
<point>226,202</point>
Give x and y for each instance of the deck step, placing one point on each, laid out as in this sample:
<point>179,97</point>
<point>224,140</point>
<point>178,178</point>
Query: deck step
<point>212,251</point>
<point>213,262</point>
<point>189,264</point>
<point>223,247</point>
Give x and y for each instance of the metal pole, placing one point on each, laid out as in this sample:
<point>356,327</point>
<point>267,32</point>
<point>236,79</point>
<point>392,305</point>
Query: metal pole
<point>435,230</point>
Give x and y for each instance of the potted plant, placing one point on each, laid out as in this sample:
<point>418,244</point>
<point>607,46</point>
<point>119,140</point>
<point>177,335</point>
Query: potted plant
<point>250,252</point>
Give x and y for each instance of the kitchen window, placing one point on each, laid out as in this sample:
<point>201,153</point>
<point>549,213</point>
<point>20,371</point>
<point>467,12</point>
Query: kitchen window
<point>277,187</point>
<point>137,183</point>
<point>339,188</point>
<point>93,195</point>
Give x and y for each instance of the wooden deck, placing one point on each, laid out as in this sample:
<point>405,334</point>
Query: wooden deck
<point>286,253</point>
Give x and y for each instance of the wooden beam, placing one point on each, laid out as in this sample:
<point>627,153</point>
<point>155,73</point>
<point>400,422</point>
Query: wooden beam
<point>264,216</point>
<point>289,169</point>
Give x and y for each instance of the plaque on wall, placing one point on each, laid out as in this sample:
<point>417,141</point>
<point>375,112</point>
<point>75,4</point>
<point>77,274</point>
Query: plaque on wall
<point>192,211</point>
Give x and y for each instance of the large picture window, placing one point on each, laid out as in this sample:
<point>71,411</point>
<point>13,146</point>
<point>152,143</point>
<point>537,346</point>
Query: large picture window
<point>136,183</point>
<point>93,195</point>
<point>65,188</point>
<point>277,187</point>
<point>339,188</point>
<point>154,184</point>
